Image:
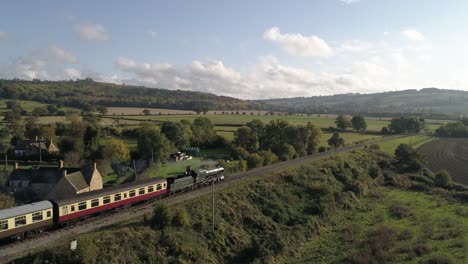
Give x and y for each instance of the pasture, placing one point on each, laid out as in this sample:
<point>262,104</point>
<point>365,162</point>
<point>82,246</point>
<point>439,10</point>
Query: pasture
<point>414,141</point>
<point>450,154</point>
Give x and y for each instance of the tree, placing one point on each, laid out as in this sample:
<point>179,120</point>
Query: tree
<point>146,112</point>
<point>313,141</point>
<point>203,131</point>
<point>245,138</point>
<point>176,132</point>
<point>408,159</point>
<point>257,128</point>
<point>116,150</point>
<point>40,111</point>
<point>336,141</point>
<point>102,109</point>
<point>342,122</point>
<point>403,125</point>
<point>359,123</point>
<point>151,144</point>
<point>442,179</point>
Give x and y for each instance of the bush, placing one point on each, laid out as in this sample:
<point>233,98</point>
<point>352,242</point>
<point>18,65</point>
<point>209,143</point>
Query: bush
<point>162,216</point>
<point>399,211</point>
<point>181,218</point>
<point>442,179</point>
<point>421,249</point>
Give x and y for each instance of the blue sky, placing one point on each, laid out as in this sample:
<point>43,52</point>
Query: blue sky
<point>245,49</point>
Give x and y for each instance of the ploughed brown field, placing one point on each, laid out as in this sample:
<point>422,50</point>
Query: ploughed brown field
<point>450,154</point>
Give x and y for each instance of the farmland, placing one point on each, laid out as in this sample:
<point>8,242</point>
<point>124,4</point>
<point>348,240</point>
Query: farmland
<point>450,155</point>
<point>414,141</point>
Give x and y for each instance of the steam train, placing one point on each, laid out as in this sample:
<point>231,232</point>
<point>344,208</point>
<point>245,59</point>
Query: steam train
<point>20,221</point>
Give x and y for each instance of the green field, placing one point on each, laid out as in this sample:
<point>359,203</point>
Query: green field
<point>414,141</point>
<point>173,168</point>
<point>323,121</point>
<point>349,138</point>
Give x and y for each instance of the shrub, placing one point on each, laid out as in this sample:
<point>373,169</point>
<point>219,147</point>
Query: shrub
<point>421,249</point>
<point>181,217</point>
<point>442,179</point>
<point>162,216</point>
<point>399,211</point>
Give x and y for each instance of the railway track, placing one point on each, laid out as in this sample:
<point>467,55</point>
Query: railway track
<point>21,248</point>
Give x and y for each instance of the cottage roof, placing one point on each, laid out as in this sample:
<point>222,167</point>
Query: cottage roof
<point>47,175</point>
<point>77,180</point>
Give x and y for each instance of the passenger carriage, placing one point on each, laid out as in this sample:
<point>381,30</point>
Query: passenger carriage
<point>97,201</point>
<point>21,220</point>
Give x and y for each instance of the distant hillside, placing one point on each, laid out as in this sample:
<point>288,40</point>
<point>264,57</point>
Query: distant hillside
<point>82,92</point>
<point>428,102</point>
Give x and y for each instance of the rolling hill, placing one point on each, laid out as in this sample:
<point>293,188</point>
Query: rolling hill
<point>427,102</point>
<point>81,92</point>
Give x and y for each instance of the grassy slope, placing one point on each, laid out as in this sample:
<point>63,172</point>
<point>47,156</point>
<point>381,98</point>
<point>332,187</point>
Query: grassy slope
<point>433,221</point>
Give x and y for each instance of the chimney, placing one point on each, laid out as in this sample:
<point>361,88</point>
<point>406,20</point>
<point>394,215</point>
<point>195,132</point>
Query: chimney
<point>16,165</point>
<point>95,166</point>
<point>60,164</point>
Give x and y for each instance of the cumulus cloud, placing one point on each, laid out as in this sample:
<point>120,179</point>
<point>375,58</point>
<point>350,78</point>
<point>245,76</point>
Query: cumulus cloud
<point>268,78</point>
<point>3,35</point>
<point>413,35</point>
<point>91,31</point>
<point>63,55</point>
<point>25,68</point>
<point>298,44</point>
<point>355,45</point>
<point>72,73</point>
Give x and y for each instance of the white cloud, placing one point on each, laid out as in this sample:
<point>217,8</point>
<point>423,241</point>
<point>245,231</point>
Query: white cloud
<point>91,31</point>
<point>26,68</point>
<point>348,2</point>
<point>355,45</point>
<point>151,33</point>
<point>413,35</point>
<point>3,35</point>
<point>72,73</point>
<point>63,55</point>
<point>299,45</point>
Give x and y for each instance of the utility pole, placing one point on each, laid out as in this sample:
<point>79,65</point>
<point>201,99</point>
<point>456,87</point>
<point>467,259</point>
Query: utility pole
<point>134,169</point>
<point>40,152</point>
<point>213,203</point>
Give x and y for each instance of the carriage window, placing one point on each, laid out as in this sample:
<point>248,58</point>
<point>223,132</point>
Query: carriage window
<point>4,225</point>
<point>158,187</point>
<point>106,200</point>
<point>164,185</point>
<point>141,191</point>
<point>94,202</point>
<point>49,213</point>
<point>132,193</point>
<point>151,188</point>
<point>72,208</point>
<point>125,195</point>
<point>20,220</point>
<point>37,216</point>
<point>117,197</point>
<point>65,210</point>
<point>82,206</point>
